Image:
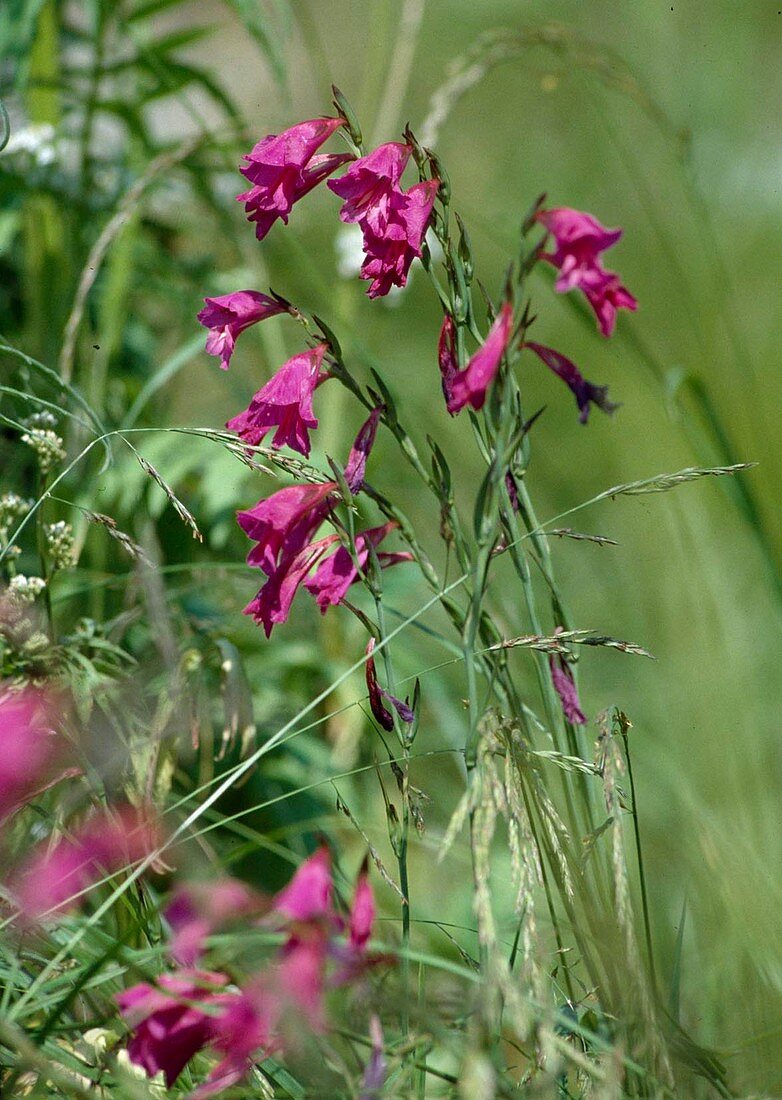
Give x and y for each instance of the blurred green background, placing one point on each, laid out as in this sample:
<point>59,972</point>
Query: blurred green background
<point>662,118</point>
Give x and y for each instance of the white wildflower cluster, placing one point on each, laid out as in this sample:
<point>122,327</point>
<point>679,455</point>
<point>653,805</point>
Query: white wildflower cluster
<point>44,440</point>
<point>12,509</point>
<point>25,589</point>
<point>59,543</point>
<point>36,144</point>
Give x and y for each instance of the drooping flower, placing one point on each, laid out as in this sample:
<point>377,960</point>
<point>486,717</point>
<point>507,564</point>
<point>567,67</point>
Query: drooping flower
<point>31,754</point>
<point>308,896</point>
<point>57,875</point>
<point>230,314</point>
<point>584,392</point>
<point>285,403</point>
<point>469,386</point>
<point>376,693</point>
<point>173,1022</point>
<point>565,687</point>
<point>198,909</point>
<point>282,168</point>
<point>390,251</point>
<point>272,603</point>
<point>370,184</point>
<point>335,575</point>
<point>579,239</point>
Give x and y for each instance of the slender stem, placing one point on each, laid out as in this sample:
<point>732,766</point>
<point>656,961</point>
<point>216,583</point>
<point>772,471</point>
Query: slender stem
<point>639,857</point>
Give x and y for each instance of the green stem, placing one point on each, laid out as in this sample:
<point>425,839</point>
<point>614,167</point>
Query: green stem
<point>639,857</point>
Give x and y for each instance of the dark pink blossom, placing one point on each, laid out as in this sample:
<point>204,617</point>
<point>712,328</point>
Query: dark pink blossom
<point>390,251</point>
<point>284,523</point>
<point>369,185</point>
<point>284,403</point>
<point>579,239</point>
<point>301,974</point>
<point>584,392</point>
<point>447,358</point>
<point>56,875</point>
<point>362,911</point>
<point>282,168</point>
<point>243,1032</point>
<point>230,314</point>
<point>272,604</point>
<point>469,386</point>
<point>198,909</point>
<point>173,1022</point>
<point>339,571</point>
<point>308,896</point>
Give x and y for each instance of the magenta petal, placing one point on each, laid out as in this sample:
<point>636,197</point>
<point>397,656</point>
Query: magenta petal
<point>308,895</point>
<point>469,386</point>
<point>229,315</point>
<point>584,392</point>
<point>369,184</point>
<point>360,451</point>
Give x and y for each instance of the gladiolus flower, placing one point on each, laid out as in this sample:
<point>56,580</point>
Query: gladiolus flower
<point>242,1033</point>
<point>370,185</point>
<point>308,896</point>
<point>57,875</point>
<point>565,687</point>
<point>469,386</point>
<point>272,604</point>
<point>282,168</point>
<point>376,693</point>
<point>285,403</point>
<point>301,974</point>
<point>584,392</point>
<point>579,240</point>
<point>390,251</point>
<point>198,909</point>
<point>362,911</point>
<point>230,314</point>
<point>169,1025</point>
<point>285,522</point>
<point>360,451</point>
<point>338,572</point>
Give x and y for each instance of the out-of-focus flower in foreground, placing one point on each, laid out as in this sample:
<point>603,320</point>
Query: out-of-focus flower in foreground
<point>282,168</point>
<point>229,315</point>
<point>200,908</point>
<point>32,755</point>
<point>284,403</point>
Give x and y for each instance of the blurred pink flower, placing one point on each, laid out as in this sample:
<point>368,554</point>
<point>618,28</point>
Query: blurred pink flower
<point>308,896</point>
<point>230,314</point>
<point>338,572</point>
<point>362,911</point>
<point>198,909</point>
<point>376,1069</point>
<point>565,687</point>
<point>579,239</point>
<point>369,185</point>
<point>391,249</point>
<point>57,874</point>
<point>282,168</point>
<point>285,402</point>
<point>242,1033</point>
<point>173,1022</point>
<point>469,386</point>
<point>301,974</point>
<point>584,392</point>
<point>31,753</point>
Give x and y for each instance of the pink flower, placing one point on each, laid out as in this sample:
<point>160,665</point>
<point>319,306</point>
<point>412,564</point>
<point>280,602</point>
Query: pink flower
<point>376,693</point>
<point>308,896</point>
<point>469,386</point>
<point>338,572</point>
<point>579,240</point>
<point>285,402</point>
<point>606,296</point>
<point>199,909</point>
<point>56,875</point>
<point>565,687</point>
<point>284,523</point>
<point>585,392</point>
<point>301,974</point>
<point>243,1032</point>
<point>170,1023</point>
<point>370,184</point>
<point>362,911</point>
<point>229,315</point>
<point>283,167</point>
<point>390,250</point>
<point>30,752</point>
<point>272,604</point>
